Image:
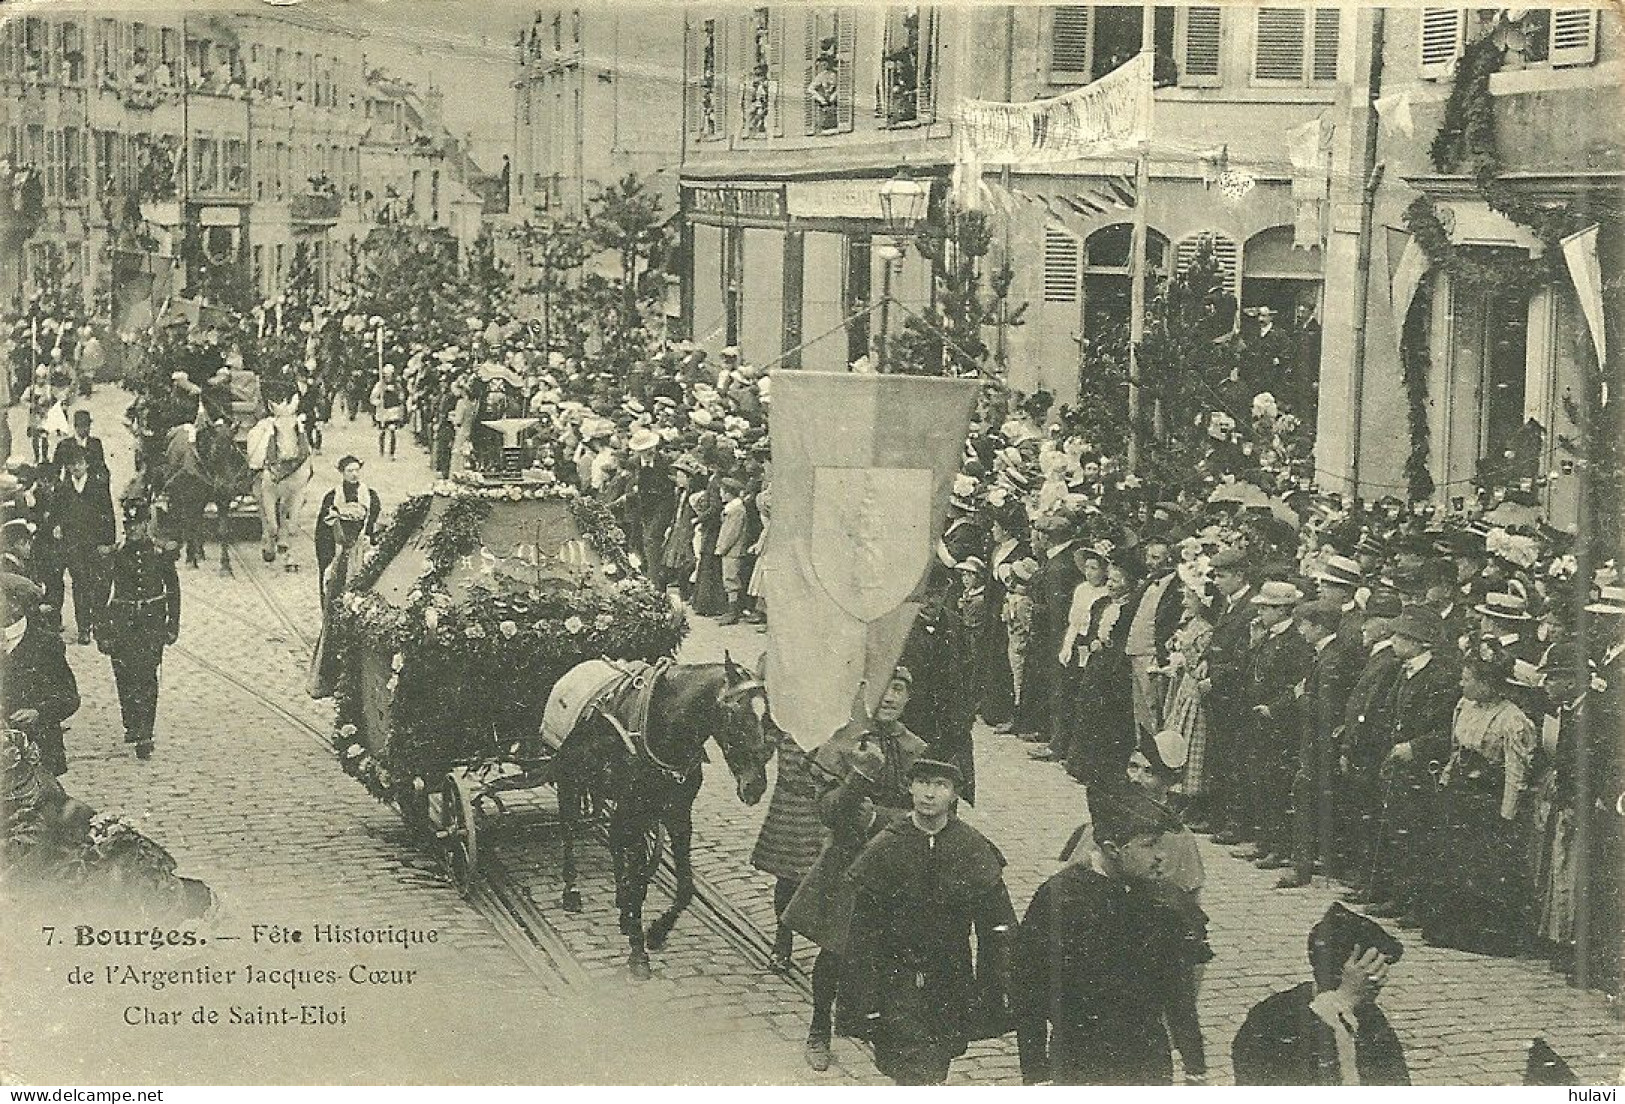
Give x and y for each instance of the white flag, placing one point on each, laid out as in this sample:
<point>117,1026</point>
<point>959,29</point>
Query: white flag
<point>1580,251</point>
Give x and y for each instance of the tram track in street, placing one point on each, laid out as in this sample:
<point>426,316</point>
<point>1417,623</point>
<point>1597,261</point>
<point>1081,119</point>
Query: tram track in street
<point>499,899</point>
<point>254,570</point>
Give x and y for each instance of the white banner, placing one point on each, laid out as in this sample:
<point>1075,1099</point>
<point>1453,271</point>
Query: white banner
<point>1108,117</point>
<point>1580,251</point>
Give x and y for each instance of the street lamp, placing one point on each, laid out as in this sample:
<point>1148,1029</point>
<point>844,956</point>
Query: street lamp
<point>903,202</point>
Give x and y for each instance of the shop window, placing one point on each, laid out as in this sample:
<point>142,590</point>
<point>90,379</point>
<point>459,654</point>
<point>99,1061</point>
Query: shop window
<point>1296,45</point>
<point>830,53</point>
<point>907,90</point>
<point>1086,43</point>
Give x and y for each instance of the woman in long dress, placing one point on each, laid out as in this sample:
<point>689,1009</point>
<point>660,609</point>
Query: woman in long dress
<point>1103,716</point>
<point>1482,895</point>
<point>1183,706</point>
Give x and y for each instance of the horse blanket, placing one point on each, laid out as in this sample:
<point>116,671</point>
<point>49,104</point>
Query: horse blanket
<point>584,687</point>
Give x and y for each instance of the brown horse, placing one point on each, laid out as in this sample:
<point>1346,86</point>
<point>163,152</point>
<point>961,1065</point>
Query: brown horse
<point>202,464</point>
<point>647,781</point>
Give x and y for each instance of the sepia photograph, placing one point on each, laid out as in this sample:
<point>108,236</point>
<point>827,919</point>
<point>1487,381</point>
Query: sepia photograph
<point>702,544</point>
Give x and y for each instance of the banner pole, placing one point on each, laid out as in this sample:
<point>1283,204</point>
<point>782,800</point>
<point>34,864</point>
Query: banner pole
<point>1136,264</point>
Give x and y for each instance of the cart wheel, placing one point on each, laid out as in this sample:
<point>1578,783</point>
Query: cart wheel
<point>459,838</point>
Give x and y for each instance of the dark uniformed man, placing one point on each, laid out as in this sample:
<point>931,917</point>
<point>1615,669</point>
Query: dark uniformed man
<point>143,616</point>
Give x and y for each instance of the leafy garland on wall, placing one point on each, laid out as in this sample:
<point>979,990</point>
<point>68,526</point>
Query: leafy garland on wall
<point>1466,137</point>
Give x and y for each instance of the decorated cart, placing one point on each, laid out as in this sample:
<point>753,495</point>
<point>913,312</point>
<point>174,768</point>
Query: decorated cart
<point>479,596</point>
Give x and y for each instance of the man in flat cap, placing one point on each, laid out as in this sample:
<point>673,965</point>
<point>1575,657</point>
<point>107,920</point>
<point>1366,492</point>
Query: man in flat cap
<point>926,886</point>
<point>143,616</point>
<point>37,687</point>
<point>1328,1031</point>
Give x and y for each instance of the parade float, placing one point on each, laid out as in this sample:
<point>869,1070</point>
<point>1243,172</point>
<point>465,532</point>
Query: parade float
<point>446,643</point>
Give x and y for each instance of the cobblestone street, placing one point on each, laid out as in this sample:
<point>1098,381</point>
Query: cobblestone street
<point>245,793</point>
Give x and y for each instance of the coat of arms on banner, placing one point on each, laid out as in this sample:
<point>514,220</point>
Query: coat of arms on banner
<point>871,536</point>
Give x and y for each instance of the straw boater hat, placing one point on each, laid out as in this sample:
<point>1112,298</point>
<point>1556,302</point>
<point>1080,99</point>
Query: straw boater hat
<point>1340,571</point>
<point>643,440</point>
<point>1504,607</point>
<point>1276,593</point>
<point>1526,675</point>
<point>1610,600</point>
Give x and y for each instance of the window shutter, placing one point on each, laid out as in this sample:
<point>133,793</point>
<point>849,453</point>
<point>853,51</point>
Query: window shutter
<point>1225,252</point>
<point>1278,47</point>
<point>53,164</point>
<point>1060,266</point>
<point>1202,41</point>
<point>881,71</point>
<point>1328,29</point>
<point>1574,36</point>
<point>846,54</point>
<point>809,116</point>
<point>696,71</point>
<point>1069,45</point>
<point>775,74</point>
<point>1443,33</point>
<point>926,83</point>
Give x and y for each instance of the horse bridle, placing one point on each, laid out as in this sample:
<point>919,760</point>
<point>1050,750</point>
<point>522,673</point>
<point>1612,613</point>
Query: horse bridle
<point>756,690</point>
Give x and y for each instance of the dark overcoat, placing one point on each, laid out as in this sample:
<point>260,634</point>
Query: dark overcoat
<point>907,977</point>
<point>1283,1042</point>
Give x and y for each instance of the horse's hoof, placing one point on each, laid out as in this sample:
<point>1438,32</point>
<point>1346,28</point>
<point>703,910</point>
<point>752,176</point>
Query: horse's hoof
<point>639,969</point>
<point>655,939</point>
<point>571,900</point>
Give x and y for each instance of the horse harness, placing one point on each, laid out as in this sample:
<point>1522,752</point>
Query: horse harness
<point>634,733</point>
